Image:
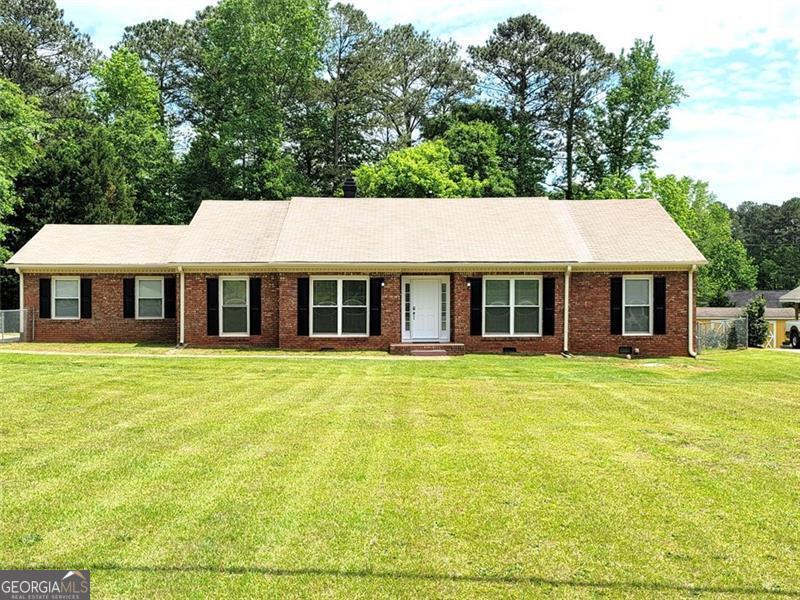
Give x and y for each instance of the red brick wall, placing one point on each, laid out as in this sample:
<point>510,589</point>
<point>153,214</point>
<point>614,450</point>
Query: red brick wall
<point>390,318</point>
<point>107,323</point>
<point>460,298</point>
<point>196,316</point>
<point>590,316</point>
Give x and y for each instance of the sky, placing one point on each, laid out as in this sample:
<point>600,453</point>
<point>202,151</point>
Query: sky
<point>739,62</point>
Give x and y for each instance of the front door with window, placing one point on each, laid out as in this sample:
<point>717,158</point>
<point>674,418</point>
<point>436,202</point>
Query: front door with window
<point>426,309</point>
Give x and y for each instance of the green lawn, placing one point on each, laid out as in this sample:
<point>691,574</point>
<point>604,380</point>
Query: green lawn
<point>211,477</point>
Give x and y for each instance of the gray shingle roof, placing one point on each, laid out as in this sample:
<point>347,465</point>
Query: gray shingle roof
<point>792,297</point>
<point>742,297</point>
<point>382,231</point>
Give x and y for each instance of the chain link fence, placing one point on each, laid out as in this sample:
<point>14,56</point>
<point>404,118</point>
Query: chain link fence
<point>16,326</point>
<point>724,334</point>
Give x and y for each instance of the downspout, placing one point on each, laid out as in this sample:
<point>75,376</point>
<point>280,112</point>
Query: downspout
<point>692,352</point>
<point>566,308</point>
<point>21,302</point>
<point>181,336</point>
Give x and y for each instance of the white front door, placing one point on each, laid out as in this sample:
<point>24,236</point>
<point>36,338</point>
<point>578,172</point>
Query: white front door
<point>425,304</point>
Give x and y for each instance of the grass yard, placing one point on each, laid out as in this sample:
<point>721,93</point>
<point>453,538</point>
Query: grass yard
<point>507,476</point>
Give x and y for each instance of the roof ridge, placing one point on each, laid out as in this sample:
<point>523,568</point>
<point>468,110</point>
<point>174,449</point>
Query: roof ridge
<point>281,229</point>
<point>573,232</point>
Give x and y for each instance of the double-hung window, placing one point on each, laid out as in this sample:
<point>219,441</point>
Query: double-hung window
<point>637,294</point>
<point>149,297</point>
<point>66,298</point>
<point>512,306</point>
<point>234,314</point>
<point>339,306</point>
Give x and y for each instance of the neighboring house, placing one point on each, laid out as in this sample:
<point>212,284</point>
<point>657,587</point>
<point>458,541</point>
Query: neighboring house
<point>741,298</point>
<point>775,313</point>
<point>455,275</point>
<point>792,299</point>
<point>775,317</point>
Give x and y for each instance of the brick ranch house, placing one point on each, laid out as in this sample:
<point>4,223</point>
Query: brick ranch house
<point>525,275</point>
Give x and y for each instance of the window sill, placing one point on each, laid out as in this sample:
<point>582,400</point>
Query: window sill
<point>511,336</point>
<point>637,335</point>
<point>338,335</point>
<point>234,335</point>
<point>65,318</point>
<point>149,318</point>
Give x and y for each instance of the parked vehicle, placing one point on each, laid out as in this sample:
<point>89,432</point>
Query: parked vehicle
<point>793,333</point>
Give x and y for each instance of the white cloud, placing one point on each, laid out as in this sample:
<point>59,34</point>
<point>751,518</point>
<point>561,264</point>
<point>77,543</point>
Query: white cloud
<point>737,129</point>
<point>104,20</point>
<point>678,26</point>
<point>746,153</point>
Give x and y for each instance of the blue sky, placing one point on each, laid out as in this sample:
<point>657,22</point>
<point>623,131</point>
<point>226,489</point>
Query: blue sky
<point>739,61</point>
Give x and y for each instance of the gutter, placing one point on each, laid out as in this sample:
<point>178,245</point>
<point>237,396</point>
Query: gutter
<point>566,308</point>
<point>690,312</point>
<point>291,267</point>
<point>182,330</point>
<point>21,301</point>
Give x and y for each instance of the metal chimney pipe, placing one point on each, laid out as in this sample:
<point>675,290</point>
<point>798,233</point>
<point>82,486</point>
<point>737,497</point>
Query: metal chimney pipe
<point>349,188</point>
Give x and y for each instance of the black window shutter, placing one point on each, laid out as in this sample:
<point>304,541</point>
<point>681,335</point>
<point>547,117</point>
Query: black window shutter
<point>302,305</point>
<point>255,306</point>
<point>44,297</point>
<point>616,306</point>
<point>169,298</point>
<point>549,306</point>
<point>128,298</point>
<point>86,298</point>
<point>212,306</point>
<point>475,305</point>
<point>375,291</point>
<point>659,305</point>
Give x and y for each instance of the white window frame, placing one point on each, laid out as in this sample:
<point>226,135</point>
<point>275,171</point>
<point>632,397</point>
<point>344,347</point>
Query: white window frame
<point>246,280</point>
<point>649,279</point>
<point>339,307</point>
<point>512,306</point>
<point>138,279</point>
<point>53,299</point>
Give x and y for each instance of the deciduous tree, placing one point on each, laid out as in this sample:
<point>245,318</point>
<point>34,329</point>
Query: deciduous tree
<point>256,56</point>
<point>463,163</point>
<point>166,50</point>
<point>770,234</point>
<point>475,146</point>
<point>424,170</point>
<point>126,100</point>
<point>20,127</point>
<point>634,116</point>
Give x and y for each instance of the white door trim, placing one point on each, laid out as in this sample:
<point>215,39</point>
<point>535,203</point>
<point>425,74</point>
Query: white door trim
<point>406,308</point>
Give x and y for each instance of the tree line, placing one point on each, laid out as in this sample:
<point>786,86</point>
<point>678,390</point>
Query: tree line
<point>265,99</point>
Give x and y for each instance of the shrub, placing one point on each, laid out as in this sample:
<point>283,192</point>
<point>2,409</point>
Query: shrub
<point>757,327</point>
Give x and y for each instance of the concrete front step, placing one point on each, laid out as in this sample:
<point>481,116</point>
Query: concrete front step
<point>428,349</point>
